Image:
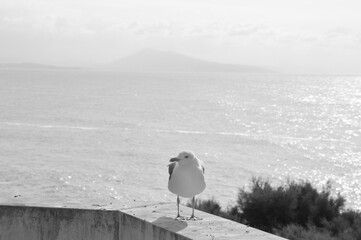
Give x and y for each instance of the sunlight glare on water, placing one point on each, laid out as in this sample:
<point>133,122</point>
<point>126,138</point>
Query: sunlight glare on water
<point>93,138</point>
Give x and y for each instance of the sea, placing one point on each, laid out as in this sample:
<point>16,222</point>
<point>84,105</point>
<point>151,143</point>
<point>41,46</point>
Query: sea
<point>93,138</point>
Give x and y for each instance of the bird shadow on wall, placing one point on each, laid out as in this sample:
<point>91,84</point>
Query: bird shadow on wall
<point>170,224</point>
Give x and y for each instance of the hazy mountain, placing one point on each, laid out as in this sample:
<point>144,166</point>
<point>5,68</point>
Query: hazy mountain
<point>149,60</point>
<point>32,66</point>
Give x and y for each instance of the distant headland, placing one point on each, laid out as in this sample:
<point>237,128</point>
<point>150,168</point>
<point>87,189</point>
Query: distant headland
<point>34,66</point>
<point>150,60</point>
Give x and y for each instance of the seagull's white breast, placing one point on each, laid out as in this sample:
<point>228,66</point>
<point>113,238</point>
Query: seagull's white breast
<point>187,180</point>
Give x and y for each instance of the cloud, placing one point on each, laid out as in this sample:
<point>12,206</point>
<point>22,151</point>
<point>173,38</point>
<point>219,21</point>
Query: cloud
<point>226,22</point>
<point>223,32</point>
<point>239,30</point>
<point>13,23</point>
<point>55,25</point>
<point>189,30</point>
<point>343,35</point>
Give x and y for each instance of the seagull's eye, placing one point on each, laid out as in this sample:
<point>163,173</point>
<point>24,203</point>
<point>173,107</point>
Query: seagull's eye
<point>186,156</point>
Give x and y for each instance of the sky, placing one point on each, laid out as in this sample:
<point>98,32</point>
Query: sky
<point>292,36</point>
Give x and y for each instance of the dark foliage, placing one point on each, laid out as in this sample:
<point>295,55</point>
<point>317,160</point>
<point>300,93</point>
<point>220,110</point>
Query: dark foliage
<point>346,226</point>
<point>210,206</point>
<point>268,207</point>
<point>295,210</point>
<point>265,207</point>
<point>297,232</point>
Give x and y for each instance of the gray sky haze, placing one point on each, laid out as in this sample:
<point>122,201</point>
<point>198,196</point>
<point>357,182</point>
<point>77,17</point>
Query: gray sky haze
<point>296,36</point>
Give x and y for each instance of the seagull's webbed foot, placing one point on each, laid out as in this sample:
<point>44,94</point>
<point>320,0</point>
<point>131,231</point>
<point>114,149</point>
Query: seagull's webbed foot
<point>180,218</point>
<point>194,218</point>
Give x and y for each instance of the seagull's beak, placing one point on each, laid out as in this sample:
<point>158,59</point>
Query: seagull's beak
<point>174,160</point>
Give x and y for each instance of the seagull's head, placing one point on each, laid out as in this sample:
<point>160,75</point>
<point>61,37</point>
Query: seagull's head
<point>185,158</point>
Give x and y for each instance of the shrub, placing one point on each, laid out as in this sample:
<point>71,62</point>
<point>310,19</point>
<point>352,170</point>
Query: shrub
<point>268,207</point>
<point>346,226</point>
<point>234,213</point>
<point>296,211</point>
<point>313,206</point>
<point>298,232</point>
<point>265,207</point>
<point>210,206</point>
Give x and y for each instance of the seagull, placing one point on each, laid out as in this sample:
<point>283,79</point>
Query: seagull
<point>186,178</point>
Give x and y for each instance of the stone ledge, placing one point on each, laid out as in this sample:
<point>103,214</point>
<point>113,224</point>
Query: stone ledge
<point>140,222</point>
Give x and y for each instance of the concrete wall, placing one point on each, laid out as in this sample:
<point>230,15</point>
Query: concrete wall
<point>142,222</point>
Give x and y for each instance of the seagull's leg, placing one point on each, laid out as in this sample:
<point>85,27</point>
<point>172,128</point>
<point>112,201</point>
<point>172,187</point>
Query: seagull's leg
<point>179,217</point>
<point>192,216</point>
<point>178,201</point>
